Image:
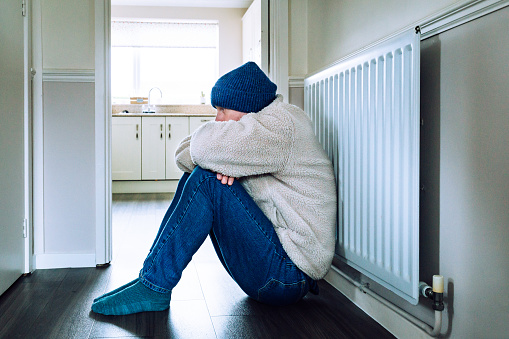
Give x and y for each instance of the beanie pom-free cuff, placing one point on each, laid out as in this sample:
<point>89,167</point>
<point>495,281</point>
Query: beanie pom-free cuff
<point>245,102</point>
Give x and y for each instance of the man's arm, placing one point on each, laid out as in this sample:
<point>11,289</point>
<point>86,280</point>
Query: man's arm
<point>183,156</point>
<point>254,145</point>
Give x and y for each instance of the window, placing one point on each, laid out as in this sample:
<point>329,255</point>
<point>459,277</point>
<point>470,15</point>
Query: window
<point>180,58</point>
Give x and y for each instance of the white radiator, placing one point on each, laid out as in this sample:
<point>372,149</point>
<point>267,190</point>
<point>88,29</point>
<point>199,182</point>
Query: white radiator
<point>365,110</point>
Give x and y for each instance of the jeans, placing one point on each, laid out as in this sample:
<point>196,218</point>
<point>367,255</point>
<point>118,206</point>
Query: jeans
<point>243,238</point>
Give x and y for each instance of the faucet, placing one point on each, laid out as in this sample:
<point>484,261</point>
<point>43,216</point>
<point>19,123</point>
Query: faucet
<point>151,109</point>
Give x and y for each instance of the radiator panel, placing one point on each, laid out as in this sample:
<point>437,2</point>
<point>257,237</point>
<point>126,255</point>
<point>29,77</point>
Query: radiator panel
<point>365,111</point>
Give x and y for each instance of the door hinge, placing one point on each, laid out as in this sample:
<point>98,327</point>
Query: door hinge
<point>23,8</point>
<point>25,228</point>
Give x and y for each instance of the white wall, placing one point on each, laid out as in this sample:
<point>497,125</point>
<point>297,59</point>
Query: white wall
<point>230,26</point>
<point>338,28</point>
<point>68,34</point>
<point>473,184</point>
<point>464,152</point>
<point>297,50</point>
<point>298,39</point>
<point>64,174</point>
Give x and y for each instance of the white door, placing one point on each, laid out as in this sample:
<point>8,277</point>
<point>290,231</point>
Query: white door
<point>12,210</point>
<point>153,155</point>
<point>126,148</point>
<point>177,128</point>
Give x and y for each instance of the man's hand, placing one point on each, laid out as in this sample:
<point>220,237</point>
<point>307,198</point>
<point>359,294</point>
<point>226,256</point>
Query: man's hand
<point>225,179</point>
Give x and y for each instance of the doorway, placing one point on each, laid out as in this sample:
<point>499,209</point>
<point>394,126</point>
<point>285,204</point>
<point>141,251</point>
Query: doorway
<point>230,56</point>
<point>277,70</point>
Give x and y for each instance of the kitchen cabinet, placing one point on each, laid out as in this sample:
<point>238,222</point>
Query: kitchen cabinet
<point>177,128</point>
<point>126,148</point>
<point>161,137</point>
<point>153,148</point>
<point>195,122</point>
<point>143,148</point>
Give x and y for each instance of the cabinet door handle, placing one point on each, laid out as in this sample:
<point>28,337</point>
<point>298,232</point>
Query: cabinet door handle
<point>169,135</point>
<point>137,127</point>
<point>205,120</point>
<point>161,127</point>
<point>169,127</point>
<point>136,135</point>
<point>161,135</point>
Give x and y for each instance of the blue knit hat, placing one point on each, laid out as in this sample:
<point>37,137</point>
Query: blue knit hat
<point>245,89</point>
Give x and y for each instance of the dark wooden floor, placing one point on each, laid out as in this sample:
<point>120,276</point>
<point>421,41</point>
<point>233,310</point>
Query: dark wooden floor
<point>205,304</point>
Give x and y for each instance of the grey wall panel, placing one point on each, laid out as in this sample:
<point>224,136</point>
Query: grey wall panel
<point>69,168</point>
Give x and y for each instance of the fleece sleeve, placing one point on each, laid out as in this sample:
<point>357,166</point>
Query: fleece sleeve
<point>183,156</point>
<point>256,144</point>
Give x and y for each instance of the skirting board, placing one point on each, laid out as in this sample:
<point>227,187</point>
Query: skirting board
<point>46,261</point>
<point>390,320</point>
<point>163,186</point>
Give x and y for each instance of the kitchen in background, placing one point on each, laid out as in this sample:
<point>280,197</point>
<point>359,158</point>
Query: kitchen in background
<point>164,62</point>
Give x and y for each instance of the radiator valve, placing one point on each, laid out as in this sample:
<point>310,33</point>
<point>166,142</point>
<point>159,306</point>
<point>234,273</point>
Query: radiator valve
<point>436,293</point>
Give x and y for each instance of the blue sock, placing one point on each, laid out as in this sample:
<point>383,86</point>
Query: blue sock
<point>132,299</point>
<point>117,289</point>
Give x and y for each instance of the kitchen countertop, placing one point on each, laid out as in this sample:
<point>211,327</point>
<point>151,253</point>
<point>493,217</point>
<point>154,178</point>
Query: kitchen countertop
<point>175,114</point>
<point>165,111</point>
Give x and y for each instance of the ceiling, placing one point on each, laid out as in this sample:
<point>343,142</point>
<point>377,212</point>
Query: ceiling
<point>185,3</point>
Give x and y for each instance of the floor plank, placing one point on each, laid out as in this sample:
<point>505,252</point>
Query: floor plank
<point>66,315</point>
<point>21,305</point>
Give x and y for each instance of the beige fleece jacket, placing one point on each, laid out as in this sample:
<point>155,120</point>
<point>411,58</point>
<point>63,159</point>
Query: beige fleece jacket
<point>280,163</point>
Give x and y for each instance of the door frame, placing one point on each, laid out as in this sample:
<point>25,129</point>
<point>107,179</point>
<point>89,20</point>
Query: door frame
<point>28,75</point>
<point>103,241</point>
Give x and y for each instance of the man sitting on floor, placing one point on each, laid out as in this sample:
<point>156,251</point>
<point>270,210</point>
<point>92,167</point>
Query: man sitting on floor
<point>260,185</point>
